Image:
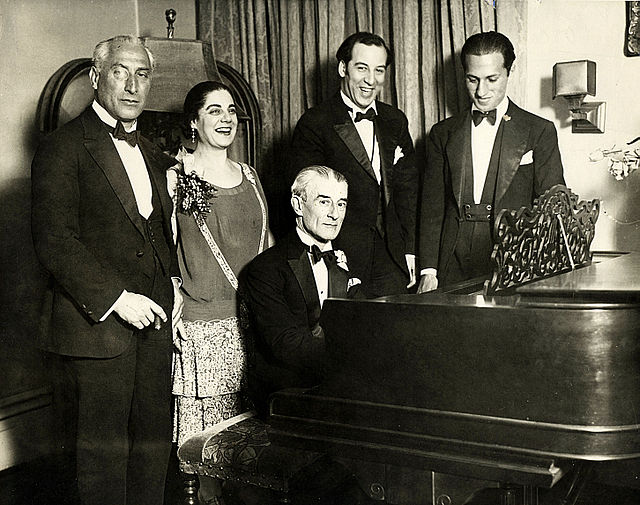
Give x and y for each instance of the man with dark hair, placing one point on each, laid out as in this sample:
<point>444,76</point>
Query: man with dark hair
<point>101,224</point>
<point>493,156</point>
<point>369,142</point>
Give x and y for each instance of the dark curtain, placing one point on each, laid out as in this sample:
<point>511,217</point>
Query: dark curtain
<point>286,51</point>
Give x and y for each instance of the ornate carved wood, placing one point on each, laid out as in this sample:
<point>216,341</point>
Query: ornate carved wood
<point>552,237</point>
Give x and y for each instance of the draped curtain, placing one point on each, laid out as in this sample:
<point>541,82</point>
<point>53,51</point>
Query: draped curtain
<point>286,51</point>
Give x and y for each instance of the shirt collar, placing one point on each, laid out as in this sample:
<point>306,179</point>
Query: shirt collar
<point>107,118</point>
<point>308,240</point>
<point>355,108</point>
<point>501,109</point>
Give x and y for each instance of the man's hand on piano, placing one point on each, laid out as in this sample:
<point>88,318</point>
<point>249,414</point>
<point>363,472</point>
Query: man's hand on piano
<point>428,282</point>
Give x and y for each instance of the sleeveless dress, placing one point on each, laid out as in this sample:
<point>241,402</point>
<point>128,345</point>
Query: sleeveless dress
<point>209,378</point>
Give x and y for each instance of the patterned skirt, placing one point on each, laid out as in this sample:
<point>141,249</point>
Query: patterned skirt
<point>209,375</point>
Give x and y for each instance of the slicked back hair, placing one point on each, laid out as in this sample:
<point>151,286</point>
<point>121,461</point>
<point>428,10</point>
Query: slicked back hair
<point>345,51</point>
<point>488,43</point>
<point>197,96</point>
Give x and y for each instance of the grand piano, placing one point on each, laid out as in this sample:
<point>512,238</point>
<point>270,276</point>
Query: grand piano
<point>510,390</point>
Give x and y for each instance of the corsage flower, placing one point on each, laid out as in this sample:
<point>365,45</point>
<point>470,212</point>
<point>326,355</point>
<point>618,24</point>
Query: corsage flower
<point>192,192</point>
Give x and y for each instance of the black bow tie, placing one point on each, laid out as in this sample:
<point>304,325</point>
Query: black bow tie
<point>317,254</point>
<point>370,115</point>
<point>121,134</point>
<point>478,116</point>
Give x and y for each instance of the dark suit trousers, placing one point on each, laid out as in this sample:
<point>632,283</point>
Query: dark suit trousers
<point>124,423</point>
<point>386,277</point>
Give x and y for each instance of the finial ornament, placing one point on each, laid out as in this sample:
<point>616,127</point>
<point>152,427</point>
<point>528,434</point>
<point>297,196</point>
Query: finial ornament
<point>170,16</point>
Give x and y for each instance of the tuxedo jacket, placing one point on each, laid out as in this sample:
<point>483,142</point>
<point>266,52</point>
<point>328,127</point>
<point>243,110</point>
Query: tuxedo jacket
<point>89,235</point>
<point>285,310</point>
<point>326,135</point>
<point>519,180</point>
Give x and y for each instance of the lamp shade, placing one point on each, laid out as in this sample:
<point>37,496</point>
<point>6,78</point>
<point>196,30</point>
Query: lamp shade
<point>572,78</point>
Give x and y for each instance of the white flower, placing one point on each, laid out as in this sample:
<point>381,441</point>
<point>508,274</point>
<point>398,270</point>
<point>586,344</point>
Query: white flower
<point>397,154</point>
<point>187,159</point>
<point>341,259</point>
<point>620,162</point>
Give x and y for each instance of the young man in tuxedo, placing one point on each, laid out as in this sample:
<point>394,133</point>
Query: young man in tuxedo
<point>490,157</point>
<point>288,284</point>
<point>368,141</point>
<point>101,223</point>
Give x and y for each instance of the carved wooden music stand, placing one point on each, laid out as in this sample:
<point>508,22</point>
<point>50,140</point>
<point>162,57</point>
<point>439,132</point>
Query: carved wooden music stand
<point>552,237</point>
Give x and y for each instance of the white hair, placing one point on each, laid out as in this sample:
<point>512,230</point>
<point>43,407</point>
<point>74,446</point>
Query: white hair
<point>304,177</point>
<point>103,49</point>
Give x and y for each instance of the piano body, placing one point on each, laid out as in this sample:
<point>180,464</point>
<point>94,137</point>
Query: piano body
<point>524,387</point>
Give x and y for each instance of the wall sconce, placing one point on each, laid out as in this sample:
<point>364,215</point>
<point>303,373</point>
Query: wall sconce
<point>574,80</point>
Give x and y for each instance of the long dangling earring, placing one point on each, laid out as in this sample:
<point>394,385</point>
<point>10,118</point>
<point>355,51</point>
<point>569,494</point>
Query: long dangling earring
<point>193,135</point>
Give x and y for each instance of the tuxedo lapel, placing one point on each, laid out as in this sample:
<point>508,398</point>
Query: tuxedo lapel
<point>346,130</point>
<point>459,154</point>
<point>158,174</point>
<point>104,153</point>
<point>338,279</point>
<point>514,140</point>
<point>298,260</point>
<point>384,135</point>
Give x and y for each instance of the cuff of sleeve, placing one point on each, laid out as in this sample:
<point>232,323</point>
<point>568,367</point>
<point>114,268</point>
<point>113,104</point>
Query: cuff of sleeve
<point>429,271</point>
<point>108,312</point>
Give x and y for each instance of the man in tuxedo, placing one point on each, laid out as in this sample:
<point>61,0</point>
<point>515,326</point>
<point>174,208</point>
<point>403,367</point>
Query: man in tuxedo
<point>369,143</point>
<point>493,156</point>
<point>101,223</point>
<point>288,284</point>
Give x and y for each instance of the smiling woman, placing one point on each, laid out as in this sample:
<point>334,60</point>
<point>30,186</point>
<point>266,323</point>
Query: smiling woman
<point>216,239</point>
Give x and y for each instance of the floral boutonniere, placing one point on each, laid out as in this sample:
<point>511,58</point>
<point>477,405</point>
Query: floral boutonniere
<point>341,259</point>
<point>192,192</point>
<point>506,117</point>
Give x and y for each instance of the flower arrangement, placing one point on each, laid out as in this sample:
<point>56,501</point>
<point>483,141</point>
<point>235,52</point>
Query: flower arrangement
<point>620,162</point>
<point>192,192</point>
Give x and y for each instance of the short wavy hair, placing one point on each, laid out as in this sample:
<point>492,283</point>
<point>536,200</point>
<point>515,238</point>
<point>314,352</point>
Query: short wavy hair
<point>103,49</point>
<point>304,177</point>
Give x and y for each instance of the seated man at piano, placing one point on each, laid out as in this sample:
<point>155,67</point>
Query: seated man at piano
<point>492,156</point>
<point>287,285</point>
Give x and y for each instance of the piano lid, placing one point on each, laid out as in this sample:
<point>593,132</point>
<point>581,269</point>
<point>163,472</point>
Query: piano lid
<point>606,279</point>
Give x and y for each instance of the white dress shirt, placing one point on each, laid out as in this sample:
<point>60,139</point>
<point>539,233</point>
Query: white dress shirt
<point>136,169</point>
<point>133,163</point>
<point>366,131</point>
<point>320,272</point>
<point>483,137</point>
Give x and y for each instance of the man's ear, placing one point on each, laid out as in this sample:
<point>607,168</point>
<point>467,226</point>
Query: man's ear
<point>296,204</point>
<point>342,69</point>
<point>94,75</point>
<point>513,67</point>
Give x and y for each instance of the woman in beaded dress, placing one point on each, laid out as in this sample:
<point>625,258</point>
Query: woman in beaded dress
<point>222,221</point>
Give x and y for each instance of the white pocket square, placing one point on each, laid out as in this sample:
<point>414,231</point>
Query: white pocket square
<point>397,154</point>
<point>353,281</point>
<point>527,158</point>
